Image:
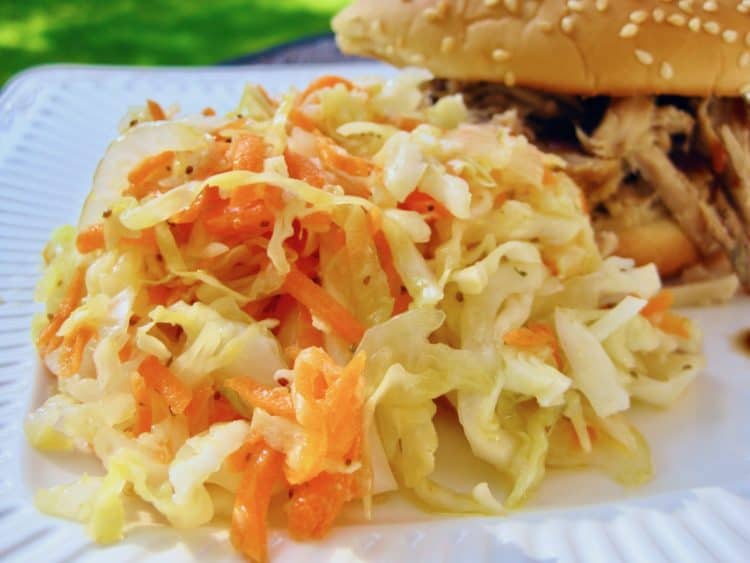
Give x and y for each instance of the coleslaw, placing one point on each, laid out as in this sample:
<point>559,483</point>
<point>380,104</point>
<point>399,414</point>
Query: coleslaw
<point>265,307</point>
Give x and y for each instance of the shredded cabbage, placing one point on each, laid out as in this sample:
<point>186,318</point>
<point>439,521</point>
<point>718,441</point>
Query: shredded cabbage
<point>288,297</point>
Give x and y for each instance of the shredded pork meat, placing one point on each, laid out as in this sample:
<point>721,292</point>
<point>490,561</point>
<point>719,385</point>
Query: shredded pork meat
<point>641,158</point>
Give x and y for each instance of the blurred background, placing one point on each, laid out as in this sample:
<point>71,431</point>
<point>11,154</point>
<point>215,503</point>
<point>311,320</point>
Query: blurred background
<point>151,32</point>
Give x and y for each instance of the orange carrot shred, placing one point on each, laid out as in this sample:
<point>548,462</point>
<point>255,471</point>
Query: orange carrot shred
<point>91,238</point>
<point>302,120</point>
<point>250,513</point>
<point>398,291</point>
<point>48,338</point>
<point>208,111</point>
<point>303,168</point>
<point>315,504</point>
<point>535,335</point>
<point>143,418</point>
<point>146,241</point>
<point>674,324</point>
<point>659,303</point>
<point>248,152</point>
<point>425,205</point>
<point>166,383</point>
<point>327,81</point>
<point>72,350</point>
<point>144,177</point>
<point>156,111</point>
<point>276,401</point>
<point>322,305</point>
<point>336,158</point>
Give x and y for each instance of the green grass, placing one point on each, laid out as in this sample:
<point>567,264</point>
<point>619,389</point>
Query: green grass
<point>157,32</point>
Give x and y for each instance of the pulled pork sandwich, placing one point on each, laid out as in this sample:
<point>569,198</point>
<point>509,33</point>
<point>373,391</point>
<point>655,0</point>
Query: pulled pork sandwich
<point>647,101</point>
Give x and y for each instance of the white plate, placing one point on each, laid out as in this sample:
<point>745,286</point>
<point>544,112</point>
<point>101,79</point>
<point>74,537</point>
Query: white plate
<point>54,124</point>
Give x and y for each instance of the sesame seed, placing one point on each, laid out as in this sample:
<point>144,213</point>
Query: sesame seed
<point>601,5</point>
<point>712,27</point>
<point>447,44</point>
<point>500,55</point>
<point>389,50</point>
<point>677,19</point>
<point>575,5</point>
<point>566,24</point>
<point>744,60</point>
<point>666,71</point>
<point>416,58</point>
<point>694,24</point>
<point>686,6</point>
<point>644,57</point>
<point>729,36</point>
<point>743,8</point>
<point>509,79</point>
<point>629,30</point>
<point>710,6</point>
<point>658,15</point>
<point>639,16</point>
<point>511,6</point>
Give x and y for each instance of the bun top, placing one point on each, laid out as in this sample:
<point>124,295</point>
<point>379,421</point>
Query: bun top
<point>586,47</point>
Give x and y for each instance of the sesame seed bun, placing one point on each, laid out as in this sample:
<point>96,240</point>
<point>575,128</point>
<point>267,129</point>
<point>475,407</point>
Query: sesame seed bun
<point>586,47</point>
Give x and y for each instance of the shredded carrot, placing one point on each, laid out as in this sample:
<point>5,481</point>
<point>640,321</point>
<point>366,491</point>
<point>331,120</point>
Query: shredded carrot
<point>336,158</point>
<point>241,222</point>
<point>125,352</point>
<point>198,411</point>
<point>302,120</point>
<point>163,294</point>
<point>533,336</point>
<point>250,513</point>
<point>208,111</point>
<point>317,222</point>
<point>238,460</point>
<point>328,81</point>
<point>276,401</point>
<point>72,350</point>
<point>248,152</point>
<point>48,339</point>
<point>146,241</point>
<point>144,176</point>
<point>303,168</point>
<point>659,303</point>
<point>425,205</point>
<point>674,324</point>
<point>143,420</point>
<point>208,199</point>
<point>91,238</point>
<point>400,296</point>
<point>315,504</point>
<point>166,383</point>
<point>222,410</point>
<point>322,305</point>
<point>407,123</point>
<point>215,161</point>
<point>157,113</point>
<point>343,401</point>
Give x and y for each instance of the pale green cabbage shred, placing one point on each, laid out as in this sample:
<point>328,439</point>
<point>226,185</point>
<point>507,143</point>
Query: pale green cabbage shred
<point>519,249</point>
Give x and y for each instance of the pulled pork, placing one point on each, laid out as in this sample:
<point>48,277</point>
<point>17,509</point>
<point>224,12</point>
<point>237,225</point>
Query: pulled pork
<point>642,159</point>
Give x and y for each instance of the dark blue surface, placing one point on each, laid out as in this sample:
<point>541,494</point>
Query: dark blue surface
<point>315,49</point>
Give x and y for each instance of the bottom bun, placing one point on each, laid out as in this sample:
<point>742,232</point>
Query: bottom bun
<point>661,242</point>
